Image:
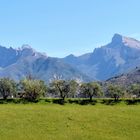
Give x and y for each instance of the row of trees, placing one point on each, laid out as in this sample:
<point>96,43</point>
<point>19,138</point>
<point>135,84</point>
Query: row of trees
<point>31,89</point>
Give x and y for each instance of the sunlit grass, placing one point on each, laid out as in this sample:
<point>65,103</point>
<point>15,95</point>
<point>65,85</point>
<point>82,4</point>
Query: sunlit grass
<point>69,122</point>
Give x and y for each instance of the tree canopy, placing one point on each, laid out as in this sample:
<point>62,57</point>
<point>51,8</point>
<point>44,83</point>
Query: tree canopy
<point>32,89</point>
<point>91,89</point>
<point>7,87</point>
<point>61,87</point>
<point>115,91</point>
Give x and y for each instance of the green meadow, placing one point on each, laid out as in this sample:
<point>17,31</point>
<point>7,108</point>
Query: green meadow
<point>69,122</point>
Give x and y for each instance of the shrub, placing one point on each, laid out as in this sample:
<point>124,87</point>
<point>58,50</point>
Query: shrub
<point>32,89</point>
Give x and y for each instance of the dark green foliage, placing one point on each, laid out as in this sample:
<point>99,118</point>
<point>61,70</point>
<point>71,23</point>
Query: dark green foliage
<point>47,101</point>
<point>132,101</point>
<point>59,101</point>
<point>110,101</point>
<point>7,88</point>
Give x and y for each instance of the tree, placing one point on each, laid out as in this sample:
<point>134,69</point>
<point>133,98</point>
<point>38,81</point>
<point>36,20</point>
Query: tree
<point>74,86</point>
<point>91,89</point>
<point>135,90</point>
<point>115,92</point>
<point>7,87</point>
<point>32,89</point>
<point>61,87</point>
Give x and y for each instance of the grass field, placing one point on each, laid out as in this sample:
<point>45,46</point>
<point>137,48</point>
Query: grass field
<point>69,122</point>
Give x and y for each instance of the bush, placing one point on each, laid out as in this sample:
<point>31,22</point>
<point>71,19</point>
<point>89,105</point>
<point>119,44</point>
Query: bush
<point>32,89</point>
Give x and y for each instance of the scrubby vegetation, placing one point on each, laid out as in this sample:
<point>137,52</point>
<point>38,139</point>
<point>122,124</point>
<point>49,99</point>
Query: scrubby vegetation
<point>32,90</point>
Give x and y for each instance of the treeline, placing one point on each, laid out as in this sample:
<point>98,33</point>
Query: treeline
<point>31,90</point>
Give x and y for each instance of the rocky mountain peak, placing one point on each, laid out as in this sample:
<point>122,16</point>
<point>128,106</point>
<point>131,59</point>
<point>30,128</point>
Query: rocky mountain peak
<point>27,50</point>
<point>26,46</point>
<point>125,41</point>
<point>117,38</point>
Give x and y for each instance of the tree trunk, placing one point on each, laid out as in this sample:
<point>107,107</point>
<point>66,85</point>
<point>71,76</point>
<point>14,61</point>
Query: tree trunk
<point>90,98</point>
<point>116,98</point>
<point>63,98</point>
<point>4,97</point>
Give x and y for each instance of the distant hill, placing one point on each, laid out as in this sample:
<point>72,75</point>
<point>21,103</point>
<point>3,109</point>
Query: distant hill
<point>126,79</point>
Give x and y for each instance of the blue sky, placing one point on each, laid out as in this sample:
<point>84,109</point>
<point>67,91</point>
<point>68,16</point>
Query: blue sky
<point>62,27</point>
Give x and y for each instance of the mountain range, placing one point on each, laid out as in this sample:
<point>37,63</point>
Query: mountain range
<point>121,55</point>
<point>19,63</point>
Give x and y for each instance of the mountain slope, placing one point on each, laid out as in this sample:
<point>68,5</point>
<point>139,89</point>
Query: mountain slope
<point>121,55</point>
<point>126,79</point>
<point>27,61</point>
<point>117,57</point>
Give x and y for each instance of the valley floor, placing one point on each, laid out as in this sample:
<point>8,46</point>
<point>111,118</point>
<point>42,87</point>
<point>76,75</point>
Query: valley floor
<point>69,122</point>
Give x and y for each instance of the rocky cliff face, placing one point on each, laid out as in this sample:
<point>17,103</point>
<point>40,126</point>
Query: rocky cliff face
<point>119,56</point>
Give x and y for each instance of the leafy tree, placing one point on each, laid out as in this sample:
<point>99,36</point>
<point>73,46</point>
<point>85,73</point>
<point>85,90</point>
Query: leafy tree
<point>91,89</point>
<point>115,92</point>
<point>7,87</point>
<point>32,89</point>
<point>61,87</point>
<point>74,86</point>
<point>135,90</point>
